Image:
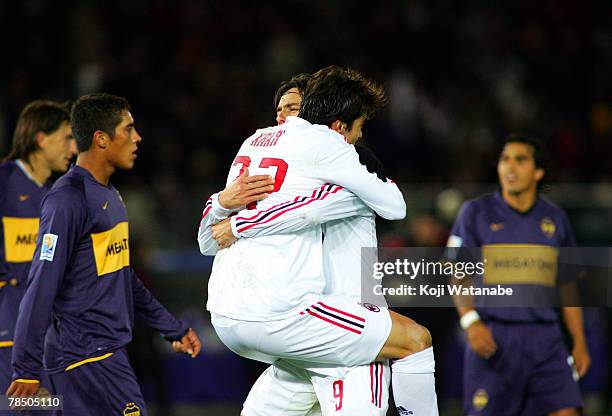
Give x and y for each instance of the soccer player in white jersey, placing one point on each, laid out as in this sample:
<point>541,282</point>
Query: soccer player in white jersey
<point>281,391</point>
<point>265,293</point>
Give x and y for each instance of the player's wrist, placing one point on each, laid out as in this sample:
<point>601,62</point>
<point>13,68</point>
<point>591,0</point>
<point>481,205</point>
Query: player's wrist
<point>219,206</point>
<point>469,318</point>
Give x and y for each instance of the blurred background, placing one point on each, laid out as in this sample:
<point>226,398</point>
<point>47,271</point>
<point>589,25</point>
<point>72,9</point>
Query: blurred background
<point>201,76</point>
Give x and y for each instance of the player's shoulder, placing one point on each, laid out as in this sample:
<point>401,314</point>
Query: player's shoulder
<point>6,170</point>
<point>478,204</point>
<point>70,187</point>
<point>551,209</point>
<point>314,135</point>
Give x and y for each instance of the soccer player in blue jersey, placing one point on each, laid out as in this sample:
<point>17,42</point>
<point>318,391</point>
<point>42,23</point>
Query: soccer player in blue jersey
<point>42,144</point>
<point>516,362</point>
<point>81,281</point>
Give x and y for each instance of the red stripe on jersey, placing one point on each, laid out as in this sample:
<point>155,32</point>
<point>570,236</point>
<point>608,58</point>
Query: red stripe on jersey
<point>206,211</point>
<point>314,192</point>
<point>316,315</point>
<point>380,385</point>
<point>372,381</point>
<point>342,312</point>
<point>290,209</point>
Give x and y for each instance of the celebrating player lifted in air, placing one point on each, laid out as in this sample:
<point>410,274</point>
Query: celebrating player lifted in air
<point>266,293</point>
<point>298,391</point>
<point>81,281</point>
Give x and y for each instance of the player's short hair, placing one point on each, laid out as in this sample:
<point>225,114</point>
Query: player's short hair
<point>37,116</point>
<point>298,81</point>
<point>94,112</point>
<point>335,93</point>
<point>540,155</point>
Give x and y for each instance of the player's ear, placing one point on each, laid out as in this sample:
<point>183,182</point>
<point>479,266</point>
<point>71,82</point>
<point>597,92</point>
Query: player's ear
<point>539,174</point>
<point>100,139</point>
<point>40,139</point>
<point>337,126</point>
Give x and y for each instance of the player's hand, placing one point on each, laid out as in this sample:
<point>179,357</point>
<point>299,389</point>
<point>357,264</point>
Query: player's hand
<point>246,189</point>
<point>222,233</point>
<point>582,359</point>
<point>22,389</point>
<point>189,344</point>
<point>481,340</point>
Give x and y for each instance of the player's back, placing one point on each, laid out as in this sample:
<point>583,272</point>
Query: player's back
<point>270,277</point>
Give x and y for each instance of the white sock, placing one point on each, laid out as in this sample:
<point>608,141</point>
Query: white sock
<point>414,384</point>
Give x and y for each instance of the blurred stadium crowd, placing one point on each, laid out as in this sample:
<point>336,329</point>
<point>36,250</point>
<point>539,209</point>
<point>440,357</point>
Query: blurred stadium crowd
<point>200,77</point>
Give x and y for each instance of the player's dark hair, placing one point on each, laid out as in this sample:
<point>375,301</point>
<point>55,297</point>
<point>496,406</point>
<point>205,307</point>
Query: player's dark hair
<point>96,112</point>
<point>37,116</point>
<point>540,155</point>
<point>298,81</point>
<point>335,93</point>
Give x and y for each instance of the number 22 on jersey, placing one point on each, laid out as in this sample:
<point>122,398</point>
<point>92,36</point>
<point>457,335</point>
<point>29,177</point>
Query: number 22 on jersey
<point>266,162</point>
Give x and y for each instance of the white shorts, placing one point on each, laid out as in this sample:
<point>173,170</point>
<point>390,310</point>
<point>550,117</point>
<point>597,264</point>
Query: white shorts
<point>284,389</point>
<point>333,331</point>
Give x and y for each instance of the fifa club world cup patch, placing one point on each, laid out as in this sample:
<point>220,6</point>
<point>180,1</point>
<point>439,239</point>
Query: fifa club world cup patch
<point>371,307</point>
<point>47,251</point>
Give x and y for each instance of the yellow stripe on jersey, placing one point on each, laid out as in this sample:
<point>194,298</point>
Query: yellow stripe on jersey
<point>520,264</point>
<point>20,238</point>
<point>27,381</point>
<point>88,360</point>
<point>6,344</point>
<point>112,249</point>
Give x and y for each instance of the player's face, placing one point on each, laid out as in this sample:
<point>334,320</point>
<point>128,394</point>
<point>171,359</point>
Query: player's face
<point>123,146</point>
<point>288,105</point>
<point>59,147</point>
<point>355,133</point>
<point>517,169</point>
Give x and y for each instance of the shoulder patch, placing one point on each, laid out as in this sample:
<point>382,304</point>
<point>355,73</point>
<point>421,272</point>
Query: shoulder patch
<point>47,251</point>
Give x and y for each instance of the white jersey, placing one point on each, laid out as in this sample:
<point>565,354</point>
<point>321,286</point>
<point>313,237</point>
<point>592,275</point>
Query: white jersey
<point>273,276</point>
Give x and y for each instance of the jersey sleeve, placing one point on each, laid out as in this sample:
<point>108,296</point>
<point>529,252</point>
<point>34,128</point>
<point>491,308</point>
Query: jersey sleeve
<point>328,203</point>
<point>338,163</point>
<point>4,274</point>
<point>212,214</point>
<point>571,264</point>
<point>463,239</point>
<point>63,218</point>
<point>148,310</point>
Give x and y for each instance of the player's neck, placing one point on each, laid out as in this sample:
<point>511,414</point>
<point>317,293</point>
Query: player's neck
<point>37,168</point>
<point>521,201</point>
<point>97,166</point>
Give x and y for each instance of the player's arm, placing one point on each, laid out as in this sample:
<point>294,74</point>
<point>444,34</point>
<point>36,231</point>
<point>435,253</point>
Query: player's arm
<point>325,204</point>
<point>152,313</point>
<point>239,193</point>
<point>569,271</point>
<point>572,316</point>
<point>62,219</point>
<point>337,162</point>
<point>461,240</point>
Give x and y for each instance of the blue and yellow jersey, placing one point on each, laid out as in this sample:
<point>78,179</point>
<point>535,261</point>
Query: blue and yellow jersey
<point>519,250</point>
<point>20,199</point>
<point>82,283</point>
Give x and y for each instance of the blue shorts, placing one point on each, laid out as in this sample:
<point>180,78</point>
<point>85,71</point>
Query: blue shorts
<point>529,374</point>
<point>100,388</point>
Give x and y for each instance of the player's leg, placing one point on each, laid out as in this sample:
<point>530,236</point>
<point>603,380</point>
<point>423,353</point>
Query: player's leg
<point>362,390</point>
<point>414,384</point>
<point>282,391</point>
<point>552,388</point>
<point>100,388</point>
